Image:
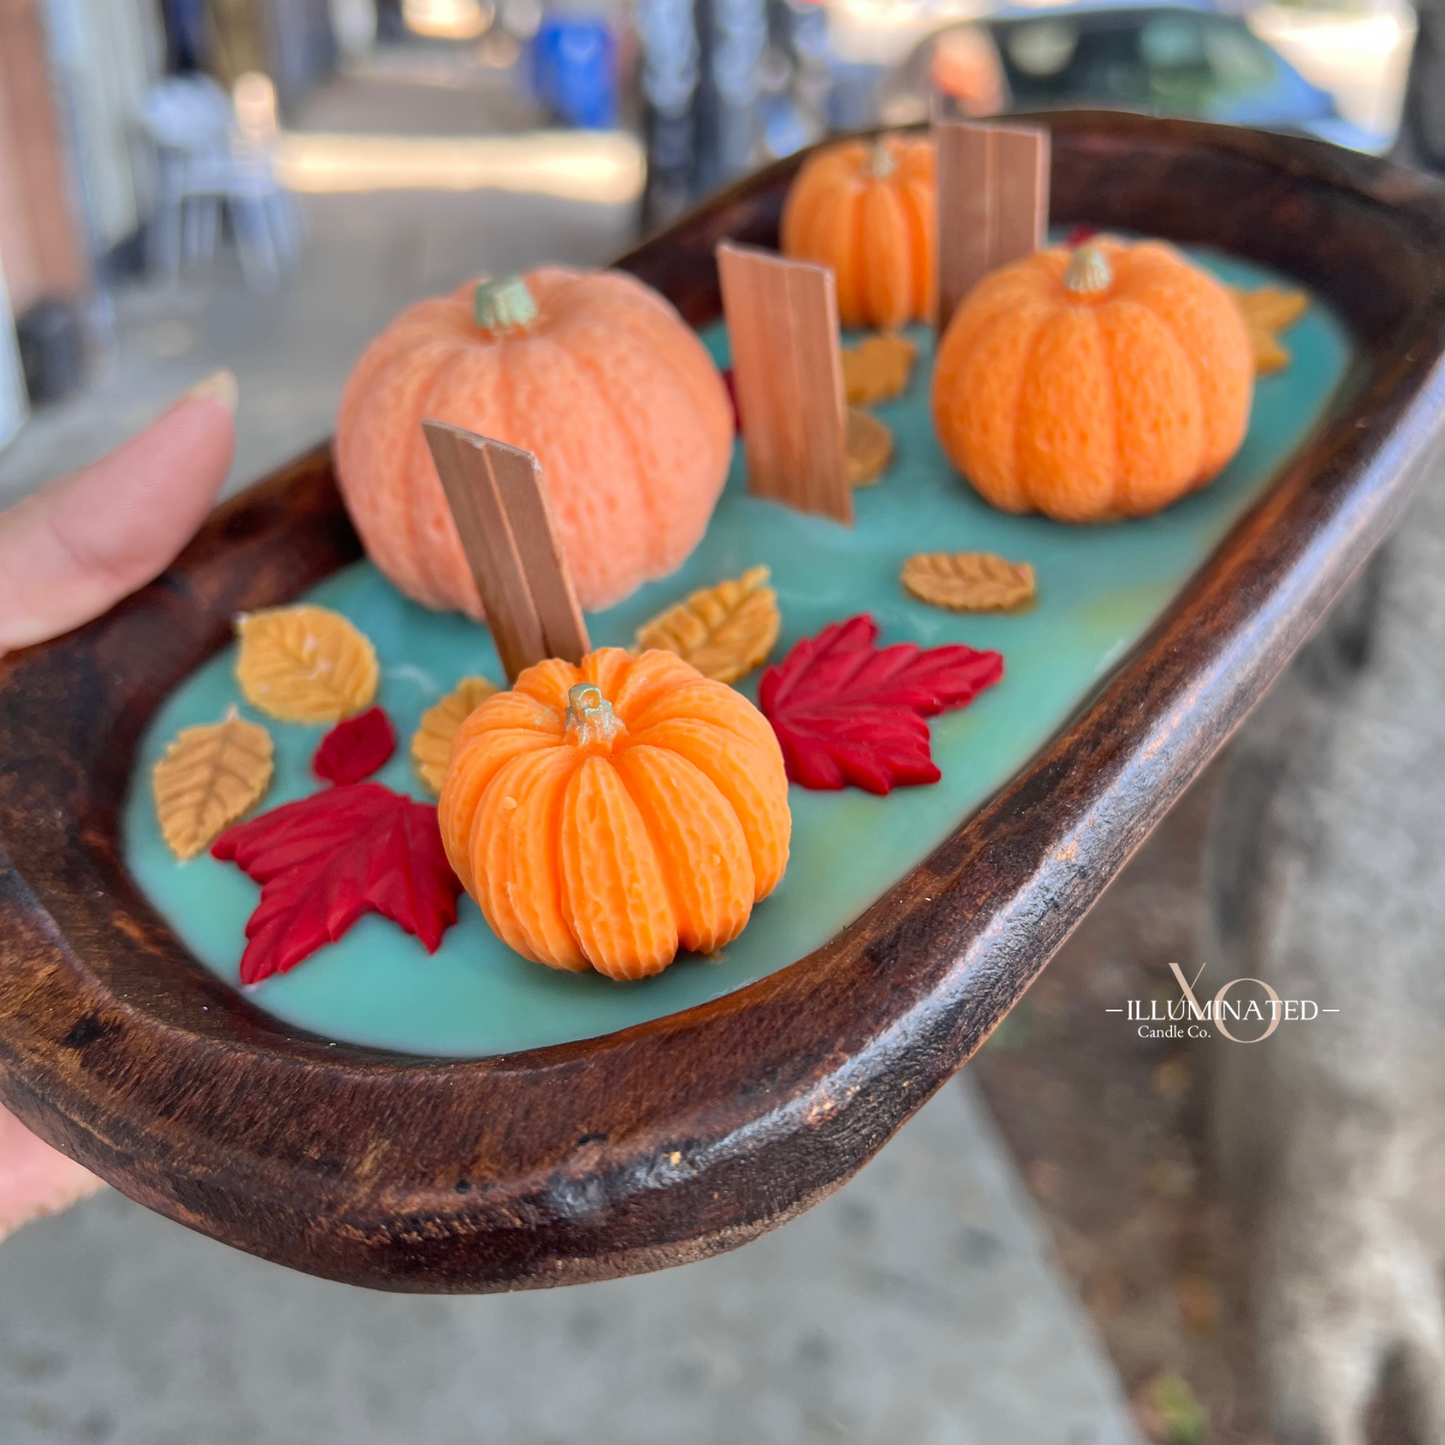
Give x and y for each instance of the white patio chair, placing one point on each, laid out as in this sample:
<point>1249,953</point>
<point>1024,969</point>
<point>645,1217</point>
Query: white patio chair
<point>206,168</point>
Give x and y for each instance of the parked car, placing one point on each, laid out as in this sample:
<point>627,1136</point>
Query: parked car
<point>1175,59</point>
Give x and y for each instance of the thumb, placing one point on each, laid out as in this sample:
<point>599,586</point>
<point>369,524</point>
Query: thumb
<point>34,1179</point>
<point>78,546</point>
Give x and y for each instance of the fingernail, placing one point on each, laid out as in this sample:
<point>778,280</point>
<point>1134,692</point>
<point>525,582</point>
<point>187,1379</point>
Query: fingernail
<point>220,386</point>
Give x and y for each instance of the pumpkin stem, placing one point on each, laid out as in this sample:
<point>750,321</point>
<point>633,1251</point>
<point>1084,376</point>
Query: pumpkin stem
<point>1088,271</point>
<point>881,164</point>
<point>591,723</point>
<point>503,305</point>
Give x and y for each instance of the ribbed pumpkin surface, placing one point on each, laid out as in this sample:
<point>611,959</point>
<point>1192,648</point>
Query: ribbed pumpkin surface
<point>612,853</point>
<point>614,394</point>
<point>1097,404</point>
<point>866,209</point>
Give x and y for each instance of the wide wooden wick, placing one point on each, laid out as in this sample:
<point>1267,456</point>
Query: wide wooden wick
<point>993,203</point>
<point>509,535</point>
<point>782,319</point>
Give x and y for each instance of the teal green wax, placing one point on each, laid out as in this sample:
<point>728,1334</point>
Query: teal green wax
<point>1099,589</point>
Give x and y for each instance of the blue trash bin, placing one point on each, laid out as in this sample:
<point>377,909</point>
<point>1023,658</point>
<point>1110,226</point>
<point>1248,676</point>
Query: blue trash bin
<point>574,69</point>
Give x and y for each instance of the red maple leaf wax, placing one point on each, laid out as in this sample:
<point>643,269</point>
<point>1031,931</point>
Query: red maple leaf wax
<point>356,748</point>
<point>846,711</point>
<point>732,387</point>
<point>324,861</point>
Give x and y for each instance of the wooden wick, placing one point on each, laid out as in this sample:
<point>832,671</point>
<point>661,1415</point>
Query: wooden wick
<point>782,320</point>
<point>505,521</point>
<point>993,202</point>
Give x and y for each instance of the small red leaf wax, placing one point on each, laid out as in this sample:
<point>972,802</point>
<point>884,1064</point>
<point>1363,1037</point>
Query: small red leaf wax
<point>356,748</point>
<point>732,387</point>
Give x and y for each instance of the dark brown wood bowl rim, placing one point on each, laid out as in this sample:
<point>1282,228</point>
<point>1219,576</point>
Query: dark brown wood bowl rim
<point>675,1139</point>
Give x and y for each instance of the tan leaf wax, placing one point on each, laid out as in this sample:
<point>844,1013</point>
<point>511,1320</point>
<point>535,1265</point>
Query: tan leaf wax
<point>305,664</point>
<point>724,631</point>
<point>968,581</point>
<point>431,745</point>
<point>208,777</point>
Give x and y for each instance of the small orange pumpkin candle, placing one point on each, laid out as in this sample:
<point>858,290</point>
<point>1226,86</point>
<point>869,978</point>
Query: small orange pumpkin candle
<point>866,209</point>
<point>593,373</point>
<point>1095,384</point>
<point>606,815</point>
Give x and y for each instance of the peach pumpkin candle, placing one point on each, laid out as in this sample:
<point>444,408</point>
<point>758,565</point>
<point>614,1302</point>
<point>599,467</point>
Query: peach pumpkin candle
<point>594,373</point>
<point>606,815</point>
<point>866,209</point>
<point>1095,384</point>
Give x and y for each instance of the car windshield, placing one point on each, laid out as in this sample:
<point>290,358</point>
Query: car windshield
<point>1174,61</point>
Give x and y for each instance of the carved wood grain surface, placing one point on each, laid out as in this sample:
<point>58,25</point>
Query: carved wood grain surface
<point>676,1139</point>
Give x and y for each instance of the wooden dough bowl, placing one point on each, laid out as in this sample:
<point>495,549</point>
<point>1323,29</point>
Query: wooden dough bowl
<point>676,1139</point>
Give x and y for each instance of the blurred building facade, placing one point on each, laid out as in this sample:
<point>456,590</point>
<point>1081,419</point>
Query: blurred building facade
<point>42,245</point>
<point>78,172</point>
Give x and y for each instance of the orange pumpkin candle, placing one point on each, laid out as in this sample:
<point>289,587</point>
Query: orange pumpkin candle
<point>1093,385</point>
<point>594,373</point>
<point>606,815</point>
<point>866,209</point>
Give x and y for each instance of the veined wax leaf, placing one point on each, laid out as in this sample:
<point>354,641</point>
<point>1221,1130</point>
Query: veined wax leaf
<point>877,368</point>
<point>324,861</point>
<point>847,711</point>
<point>305,664</point>
<point>1268,311</point>
<point>723,631</point>
<point>356,748</point>
<point>431,747</point>
<point>208,777</point>
<point>968,581</point>
<point>869,446</point>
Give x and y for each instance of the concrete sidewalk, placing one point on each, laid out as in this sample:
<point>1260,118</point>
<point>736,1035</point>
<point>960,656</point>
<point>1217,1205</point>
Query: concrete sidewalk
<point>918,1306</point>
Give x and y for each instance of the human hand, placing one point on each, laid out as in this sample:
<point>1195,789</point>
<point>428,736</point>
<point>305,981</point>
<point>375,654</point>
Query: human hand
<point>67,554</point>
